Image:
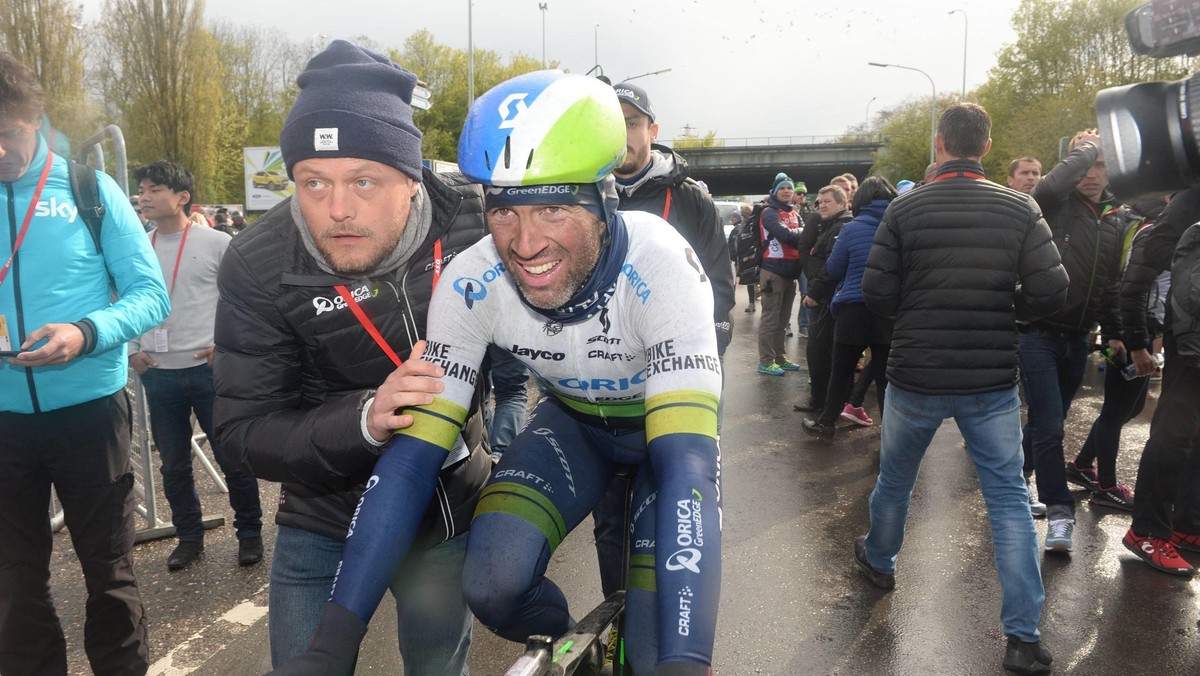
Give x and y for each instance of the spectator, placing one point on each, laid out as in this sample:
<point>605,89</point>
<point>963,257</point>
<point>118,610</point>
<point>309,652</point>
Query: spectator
<point>1166,514</point>
<point>305,394</point>
<point>746,277</point>
<point>816,243</point>
<point>944,263</point>
<point>1087,226</point>
<point>223,224</point>
<point>852,180</point>
<point>64,412</point>
<point>777,277</point>
<point>803,212</point>
<point>174,361</point>
<point>856,327</point>
<point>1024,173</point>
<point>237,221</point>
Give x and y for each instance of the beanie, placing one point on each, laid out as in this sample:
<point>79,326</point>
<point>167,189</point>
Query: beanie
<point>781,180</point>
<point>353,103</point>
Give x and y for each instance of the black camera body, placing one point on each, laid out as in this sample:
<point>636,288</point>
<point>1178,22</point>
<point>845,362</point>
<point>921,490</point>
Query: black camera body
<point>1148,129</point>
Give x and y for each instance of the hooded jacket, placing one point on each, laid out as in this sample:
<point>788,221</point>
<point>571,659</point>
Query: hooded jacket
<point>1088,237</point>
<point>816,243</point>
<point>781,235</point>
<point>665,190</point>
<point>848,260</point>
<point>294,367</point>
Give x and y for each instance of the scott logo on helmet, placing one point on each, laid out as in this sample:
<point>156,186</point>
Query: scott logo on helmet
<point>508,118</point>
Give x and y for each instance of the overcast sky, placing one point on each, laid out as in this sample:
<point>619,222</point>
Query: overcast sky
<point>744,68</point>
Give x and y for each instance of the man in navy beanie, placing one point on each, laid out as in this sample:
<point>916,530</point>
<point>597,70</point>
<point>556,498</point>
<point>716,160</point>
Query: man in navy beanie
<point>320,302</point>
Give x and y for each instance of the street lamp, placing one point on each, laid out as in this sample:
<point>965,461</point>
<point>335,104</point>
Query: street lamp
<point>657,72</point>
<point>470,59</point>
<point>867,122</point>
<point>965,26</point>
<point>542,6</point>
<point>596,45</point>
<point>932,104</point>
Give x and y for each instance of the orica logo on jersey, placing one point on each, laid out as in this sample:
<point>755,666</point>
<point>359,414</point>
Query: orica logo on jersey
<point>473,290</point>
<point>689,535</point>
<point>371,483</point>
<point>56,208</point>
<point>641,288</point>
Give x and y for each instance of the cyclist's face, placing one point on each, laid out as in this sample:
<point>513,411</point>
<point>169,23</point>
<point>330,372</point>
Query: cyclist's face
<point>355,209</point>
<point>550,250</point>
<point>18,141</point>
<point>640,132</point>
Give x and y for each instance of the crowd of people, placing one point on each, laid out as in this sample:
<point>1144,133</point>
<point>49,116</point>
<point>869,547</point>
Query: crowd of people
<point>322,349</point>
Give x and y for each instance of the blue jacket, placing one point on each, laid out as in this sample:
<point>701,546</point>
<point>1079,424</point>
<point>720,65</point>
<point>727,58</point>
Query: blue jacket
<point>58,277</point>
<point>848,260</point>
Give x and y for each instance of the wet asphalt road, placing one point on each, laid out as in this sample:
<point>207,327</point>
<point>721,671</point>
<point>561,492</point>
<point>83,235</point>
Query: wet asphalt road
<point>792,600</point>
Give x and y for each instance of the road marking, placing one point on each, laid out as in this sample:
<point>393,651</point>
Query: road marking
<point>243,616</point>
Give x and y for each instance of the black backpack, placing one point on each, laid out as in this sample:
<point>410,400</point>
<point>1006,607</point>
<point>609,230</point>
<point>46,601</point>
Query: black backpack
<point>748,246</point>
<point>86,190</point>
<point>1185,296</point>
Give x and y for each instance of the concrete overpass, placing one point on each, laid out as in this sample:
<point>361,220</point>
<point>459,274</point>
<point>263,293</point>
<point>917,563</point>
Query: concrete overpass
<point>747,166</point>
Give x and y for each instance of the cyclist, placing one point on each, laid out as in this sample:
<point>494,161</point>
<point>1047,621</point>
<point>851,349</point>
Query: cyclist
<point>610,311</point>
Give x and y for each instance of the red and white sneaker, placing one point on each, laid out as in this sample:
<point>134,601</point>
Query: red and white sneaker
<point>1157,553</point>
<point>1186,541</point>
<point>857,415</point>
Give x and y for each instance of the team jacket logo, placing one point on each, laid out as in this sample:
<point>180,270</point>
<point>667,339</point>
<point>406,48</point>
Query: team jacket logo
<point>56,209</point>
<point>323,304</point>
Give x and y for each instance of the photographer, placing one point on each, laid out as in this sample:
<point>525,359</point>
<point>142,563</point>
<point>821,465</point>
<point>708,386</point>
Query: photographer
<point>1166,514</point>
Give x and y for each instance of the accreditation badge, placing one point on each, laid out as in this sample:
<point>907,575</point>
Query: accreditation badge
<point>5,342</point>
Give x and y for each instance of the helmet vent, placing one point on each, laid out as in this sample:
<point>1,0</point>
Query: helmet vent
<point>487,159</point>
<point>529,162</point>
<point>508,152</point>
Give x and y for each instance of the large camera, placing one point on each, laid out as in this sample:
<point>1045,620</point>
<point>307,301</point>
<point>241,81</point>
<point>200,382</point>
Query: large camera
<point>1149,131</point>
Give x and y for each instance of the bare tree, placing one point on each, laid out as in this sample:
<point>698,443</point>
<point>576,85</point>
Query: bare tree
<point>162,75</point>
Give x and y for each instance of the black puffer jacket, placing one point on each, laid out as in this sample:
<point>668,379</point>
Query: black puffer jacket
<point>816,243</point>
<point>692,213</point>
<point>294,367</point>
<point>1088,237</point>
<point>949,262</point>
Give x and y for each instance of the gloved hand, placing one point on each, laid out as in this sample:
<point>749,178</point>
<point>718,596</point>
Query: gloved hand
<point>334,648</point>
<point>724,336</point>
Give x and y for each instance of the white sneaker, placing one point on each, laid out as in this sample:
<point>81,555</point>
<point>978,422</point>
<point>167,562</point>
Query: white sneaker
<point>1058,535</point>
<point>1036,508</point>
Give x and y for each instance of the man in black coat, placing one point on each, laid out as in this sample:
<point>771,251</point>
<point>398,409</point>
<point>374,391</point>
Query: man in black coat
<point>320,301</point>
<point>950,262</point>
<point>1088,228</point>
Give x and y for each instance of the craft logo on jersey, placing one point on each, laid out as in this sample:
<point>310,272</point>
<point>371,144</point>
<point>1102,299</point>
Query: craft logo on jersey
<point>473,290</point>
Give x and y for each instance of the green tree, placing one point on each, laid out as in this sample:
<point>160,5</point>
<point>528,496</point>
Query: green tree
<point>443,69</point>
<point>1044,85</point>
<point>47,36</point>
<point>905,131</point>
<point>162,77</point>
<point>709,140</point>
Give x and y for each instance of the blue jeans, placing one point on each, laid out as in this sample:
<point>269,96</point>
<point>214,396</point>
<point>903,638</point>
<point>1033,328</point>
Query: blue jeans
<point>173,395</point>
<point>433,623</point>
<point>991,424</point>
<point>1052,368</point>
<point>509,380</point>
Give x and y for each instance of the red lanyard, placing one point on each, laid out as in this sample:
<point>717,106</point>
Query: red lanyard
<point>667,206</point>
<point>37,194</point>
<point>366,321</point>
<point>178,256</point>
<point>960,174</point>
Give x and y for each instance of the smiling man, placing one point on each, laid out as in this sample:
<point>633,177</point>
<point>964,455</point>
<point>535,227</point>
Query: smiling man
<point>319,302</point>
<point>610,310</point>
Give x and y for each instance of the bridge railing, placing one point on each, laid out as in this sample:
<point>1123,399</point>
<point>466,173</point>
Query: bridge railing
<point>758,141</point>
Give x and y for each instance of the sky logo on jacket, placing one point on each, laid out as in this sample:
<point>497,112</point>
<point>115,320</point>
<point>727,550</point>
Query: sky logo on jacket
<point>56,208</point>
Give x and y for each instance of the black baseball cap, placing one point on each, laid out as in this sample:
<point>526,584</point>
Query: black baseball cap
<point>636,97</point>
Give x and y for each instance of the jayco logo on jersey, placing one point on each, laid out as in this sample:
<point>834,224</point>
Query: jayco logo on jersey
<point>536,354</point>
<point>56,209</point>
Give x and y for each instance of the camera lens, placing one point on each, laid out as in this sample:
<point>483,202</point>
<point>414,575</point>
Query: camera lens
<point>1150,142</point>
